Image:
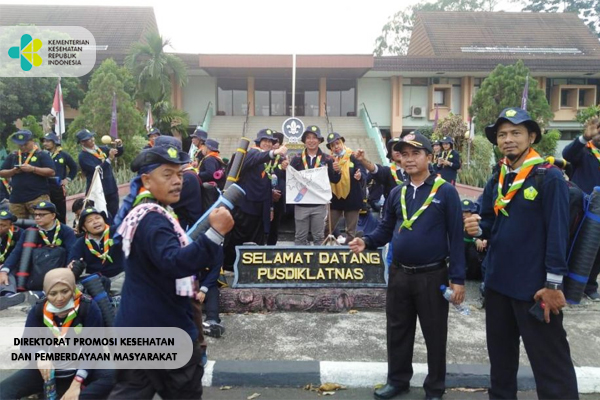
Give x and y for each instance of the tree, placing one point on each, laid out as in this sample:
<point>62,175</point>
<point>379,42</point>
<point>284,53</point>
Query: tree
<point>587,10</point>
<point>95,111</point>
<point>20,97</point>
<point>169,119</point>
<point>504,88</point>
<point>152,69</point>
<point>454,127</point>
<point>395,34</point>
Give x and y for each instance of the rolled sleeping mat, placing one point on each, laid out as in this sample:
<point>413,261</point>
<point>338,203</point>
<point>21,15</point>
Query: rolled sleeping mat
<point>93,285</point>
<point>584,250</point>
<point>229,199</point>
<point>235,165</point>
<point>25,223</point>
<point>29,243</point>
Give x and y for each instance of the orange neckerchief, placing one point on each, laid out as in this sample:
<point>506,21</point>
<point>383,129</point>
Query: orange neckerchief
<point>532,159</point>
<point>593,149</point>
<point>51,324</point>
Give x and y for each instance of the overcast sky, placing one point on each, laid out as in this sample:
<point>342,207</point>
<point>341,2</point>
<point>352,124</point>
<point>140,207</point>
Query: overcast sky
<point>263,26</point>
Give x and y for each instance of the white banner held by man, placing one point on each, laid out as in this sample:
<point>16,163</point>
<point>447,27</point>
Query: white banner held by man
<point>96,192</point>
<point>310,186</point>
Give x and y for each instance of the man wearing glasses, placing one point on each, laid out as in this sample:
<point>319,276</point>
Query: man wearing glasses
<point>54,240</point>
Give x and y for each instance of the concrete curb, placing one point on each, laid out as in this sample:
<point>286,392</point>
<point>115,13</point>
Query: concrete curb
<point>363,374</point>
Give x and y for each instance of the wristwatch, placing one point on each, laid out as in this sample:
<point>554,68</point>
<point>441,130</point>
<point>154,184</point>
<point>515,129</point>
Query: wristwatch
<point>554,286</point>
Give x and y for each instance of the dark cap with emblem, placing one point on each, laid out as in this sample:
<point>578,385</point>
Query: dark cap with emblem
<point>154,131</point>
<point>516,116</point>
<point>6,215</point>
<point>312,129</point>
<point>162,154</point>
<point>332,137</point>
<point>45,205</point>
<point>201,134</point>
<point>84,134</point>
<point>21,137</point>
<point>468,206</point>
<point>265,134</point>
<point>390,146</point>
<point>447,139</point>
<point>52,137</point>
<point>89,211</point>
<point>416,140</point>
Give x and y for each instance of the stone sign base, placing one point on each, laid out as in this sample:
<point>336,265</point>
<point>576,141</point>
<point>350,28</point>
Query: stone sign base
<point>302,299</point>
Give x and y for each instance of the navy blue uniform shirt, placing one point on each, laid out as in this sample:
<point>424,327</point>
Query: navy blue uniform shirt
<point>435,235</point>
<point>586,167</point>
<point>384,177</point>
<point>28,186</point>
<point>155,262</point>
<point>62,162</point>
<point>94,264</point>
<point>13,243</point>
<point>66,236</point>
<point>531,241</point>
<point>208,166</point>
<point>355,199</point>
<point>257,185</point>
<point>88,163</point>
<point>449,173</point>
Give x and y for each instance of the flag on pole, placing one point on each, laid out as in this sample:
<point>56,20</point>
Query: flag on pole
<point>58,111</point>
<point>435,120</point>
<point>113,119</point>
<point>96,192</point>
<point>149,119</point>
<point>525,94</point>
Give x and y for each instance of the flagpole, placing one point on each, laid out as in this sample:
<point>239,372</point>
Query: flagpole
<point>60,99</point>
<point>293,85</point>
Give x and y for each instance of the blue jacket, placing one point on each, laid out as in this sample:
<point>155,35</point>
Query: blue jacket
<point>94,264</point>
<point>449,173</point>
<point>155,262</point>
<point>257,185</point>
<point>435,235</point>
<point>62,162</point>
<point>66,235</point>
<point>88,163</point>
<point>386,179</point>
<point>28,186</point>
<point>531,241</point>
<point>208,166</point>
<point>13,244</point>
<point>586,168</point>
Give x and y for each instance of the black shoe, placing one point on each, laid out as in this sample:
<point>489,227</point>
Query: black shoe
<point>11,300</point>
<point>433,398</point>
<point>389,392</point>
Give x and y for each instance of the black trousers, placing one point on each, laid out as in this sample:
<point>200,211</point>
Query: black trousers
<point>57,196</point>
<point>112,204</point>
<point>27,382</point>
<point>592,284</point>
<point>278,211</point>
<point>546,345</point>
<point>248,228</point>
<point>181,383</point>
<point>409,297</point>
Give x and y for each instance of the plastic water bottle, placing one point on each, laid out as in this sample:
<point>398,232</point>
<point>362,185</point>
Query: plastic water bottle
<point>461,308</point>
<point>274,180</point>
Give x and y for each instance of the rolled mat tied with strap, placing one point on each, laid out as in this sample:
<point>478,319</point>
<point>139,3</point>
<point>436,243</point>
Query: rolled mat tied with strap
<point>584,250</point>
<point>29,243</point>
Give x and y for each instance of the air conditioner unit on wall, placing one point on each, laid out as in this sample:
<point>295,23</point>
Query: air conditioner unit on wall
<point>417,112</point>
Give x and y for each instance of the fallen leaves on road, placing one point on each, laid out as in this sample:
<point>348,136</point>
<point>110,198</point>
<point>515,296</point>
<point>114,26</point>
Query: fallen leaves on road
<point>326,389</point>
<point>226,387</point>
<point>379,386</point>
<point>254,396</point>
<point>327,393</point>
<point>470,390</point>
<point>353,312</point>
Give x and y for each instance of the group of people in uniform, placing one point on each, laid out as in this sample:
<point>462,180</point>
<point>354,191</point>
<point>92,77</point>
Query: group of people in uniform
<point>424,221</point>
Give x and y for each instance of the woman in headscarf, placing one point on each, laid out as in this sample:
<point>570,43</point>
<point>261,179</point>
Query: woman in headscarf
<point>64,306</point>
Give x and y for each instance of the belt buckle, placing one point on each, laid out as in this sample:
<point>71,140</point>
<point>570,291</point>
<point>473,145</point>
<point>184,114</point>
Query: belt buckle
<point>409,270</point>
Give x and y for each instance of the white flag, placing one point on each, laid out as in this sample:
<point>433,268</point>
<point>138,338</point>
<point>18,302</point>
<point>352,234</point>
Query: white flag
<point>58,111</point>
<point>310,186</point>
<point>96,193</point>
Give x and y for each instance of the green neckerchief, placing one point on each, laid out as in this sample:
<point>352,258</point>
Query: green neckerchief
<point>146,197</point>
<point>407,223</point>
